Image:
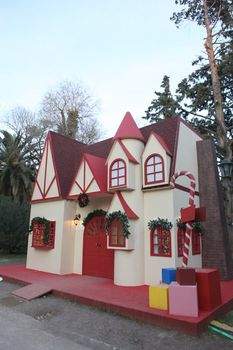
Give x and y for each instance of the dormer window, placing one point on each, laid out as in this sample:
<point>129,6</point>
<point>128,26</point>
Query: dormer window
<point>154,169</point>
<point>118,173</point>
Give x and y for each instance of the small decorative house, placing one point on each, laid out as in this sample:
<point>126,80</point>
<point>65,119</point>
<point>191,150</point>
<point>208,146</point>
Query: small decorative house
<point>119,191</point>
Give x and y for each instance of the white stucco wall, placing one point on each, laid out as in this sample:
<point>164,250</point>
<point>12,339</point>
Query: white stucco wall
<point>43,259</point>
<point>68,238</point>
<point>129,263</point>
<point>186,158</point>
<point>157,203</point>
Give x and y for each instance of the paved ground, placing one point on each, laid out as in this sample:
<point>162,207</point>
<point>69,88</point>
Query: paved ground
<point>54,323</point>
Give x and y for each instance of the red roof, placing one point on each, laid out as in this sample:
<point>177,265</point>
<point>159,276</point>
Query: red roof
<point>127,152</point>
<point>68,153</point>
<point>128,211</point>
<point>162,142</point>
<point>99,170</point>
<point>128,129</point>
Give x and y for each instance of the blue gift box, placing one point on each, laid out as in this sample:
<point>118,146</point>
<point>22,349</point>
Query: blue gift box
<point>168,275</point>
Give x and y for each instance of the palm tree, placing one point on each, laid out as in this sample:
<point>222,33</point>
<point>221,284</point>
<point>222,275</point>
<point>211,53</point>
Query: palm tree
<point>16,175</point>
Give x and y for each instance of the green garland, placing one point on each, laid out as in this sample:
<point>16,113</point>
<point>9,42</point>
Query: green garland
<point>195,225</point>
<point>46,224</point>
<point>97,212</point>
<point>122,217</point>
<point>164,223</point>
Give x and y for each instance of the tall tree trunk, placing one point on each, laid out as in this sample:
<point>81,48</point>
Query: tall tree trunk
<point>224,143</point>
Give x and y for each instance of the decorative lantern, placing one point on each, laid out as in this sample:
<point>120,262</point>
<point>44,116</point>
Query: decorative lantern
<point>77,219</point>
<point>226,168</point>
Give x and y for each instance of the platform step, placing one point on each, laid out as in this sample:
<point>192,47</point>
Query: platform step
<point>32,291</point>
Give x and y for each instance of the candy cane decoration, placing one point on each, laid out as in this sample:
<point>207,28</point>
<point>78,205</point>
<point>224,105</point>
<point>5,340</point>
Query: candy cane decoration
<point>191,202</point>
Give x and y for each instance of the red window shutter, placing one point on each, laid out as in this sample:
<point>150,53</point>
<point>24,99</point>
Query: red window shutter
<point>196,242</point>
<point>180,241</point>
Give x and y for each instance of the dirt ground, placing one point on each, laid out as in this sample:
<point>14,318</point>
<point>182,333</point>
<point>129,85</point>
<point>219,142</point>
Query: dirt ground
<point>91,328</point>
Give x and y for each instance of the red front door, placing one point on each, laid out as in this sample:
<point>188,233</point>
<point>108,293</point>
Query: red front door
<point>97,259</point>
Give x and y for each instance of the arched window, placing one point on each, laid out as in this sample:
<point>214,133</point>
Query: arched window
<point>118,173</point>
<point>154,169</point>
<point>116,238</point>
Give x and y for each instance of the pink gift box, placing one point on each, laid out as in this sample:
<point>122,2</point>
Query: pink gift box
<point>183,300</point>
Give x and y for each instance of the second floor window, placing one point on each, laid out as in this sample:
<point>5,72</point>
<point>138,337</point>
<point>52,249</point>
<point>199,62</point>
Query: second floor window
<point>118,173</point>
<point>154,169</point>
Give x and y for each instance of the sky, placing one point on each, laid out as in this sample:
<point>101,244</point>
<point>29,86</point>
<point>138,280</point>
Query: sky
<point>118,50</point>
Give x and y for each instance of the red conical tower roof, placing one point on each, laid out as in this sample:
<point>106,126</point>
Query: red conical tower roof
<point>128,129</point>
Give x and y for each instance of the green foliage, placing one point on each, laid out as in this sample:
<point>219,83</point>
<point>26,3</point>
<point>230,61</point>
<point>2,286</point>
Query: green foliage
<point>122,217</point>
<point>164,223</point>
<point>13,226</point>
<point>194,97</point>
<point>195,225</point>
<point>42,221</point>
<point>83,200</point>
<point>164,106</point>
<point>16,177</point>
<point>97,212</point>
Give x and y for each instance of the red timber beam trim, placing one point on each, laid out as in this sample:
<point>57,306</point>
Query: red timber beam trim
<point>54,167</point>
<point>45,191</point>
<point>129,212</point>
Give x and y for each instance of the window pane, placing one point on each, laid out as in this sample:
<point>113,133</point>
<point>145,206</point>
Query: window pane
<point>115,165</point>
<point>122,172</point>
<point>113,239</point>
<point>114,182</point>
<point>150,161</point>
<point>158,160</point>
<point>156,249</point>
<point>121,181</point>
<point>121,164</point>
<point>150,178</point>
<point>150,169</point>
<point>158,167</point>
<point>121,239</point>
<point>159,177</point>
<point>114,173</point>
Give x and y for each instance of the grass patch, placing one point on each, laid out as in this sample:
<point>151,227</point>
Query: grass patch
<point>227,318</point>
<point>12,256</point>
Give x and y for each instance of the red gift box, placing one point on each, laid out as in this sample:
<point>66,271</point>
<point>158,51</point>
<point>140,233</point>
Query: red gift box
<point>208,287</point>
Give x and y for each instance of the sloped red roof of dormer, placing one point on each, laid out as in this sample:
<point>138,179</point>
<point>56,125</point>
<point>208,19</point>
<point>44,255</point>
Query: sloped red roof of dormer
<point>162,142</point>
<point>128,211</point>
<point>127,152</point>
<point>128,129</point>
<point>99,170</point>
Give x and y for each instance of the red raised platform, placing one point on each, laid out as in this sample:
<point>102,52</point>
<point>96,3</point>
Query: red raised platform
<point>132,302</point>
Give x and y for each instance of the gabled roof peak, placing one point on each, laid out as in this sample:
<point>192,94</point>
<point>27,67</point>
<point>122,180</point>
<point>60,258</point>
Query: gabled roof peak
<point>128,129</point>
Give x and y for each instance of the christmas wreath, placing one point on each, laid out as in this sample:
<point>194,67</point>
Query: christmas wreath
<point>122,217</point>
<point>83,200</point>
<point>163,223</point>
<point>45,223</point>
